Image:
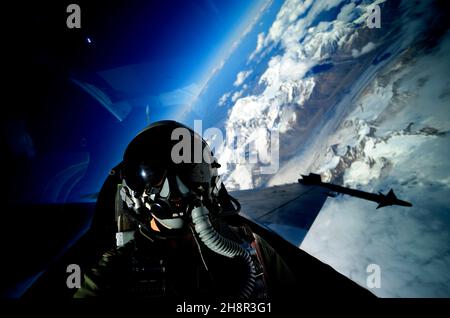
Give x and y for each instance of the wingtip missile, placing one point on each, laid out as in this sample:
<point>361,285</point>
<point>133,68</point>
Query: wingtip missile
<point>391,199</point>
<point>382,199</point>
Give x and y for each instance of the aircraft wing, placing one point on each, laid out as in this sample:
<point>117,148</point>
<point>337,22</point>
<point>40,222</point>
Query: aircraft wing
<point>288,210</point>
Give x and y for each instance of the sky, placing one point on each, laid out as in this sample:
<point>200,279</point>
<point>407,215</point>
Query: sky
<point>163,59</point>
<point>226,48</point>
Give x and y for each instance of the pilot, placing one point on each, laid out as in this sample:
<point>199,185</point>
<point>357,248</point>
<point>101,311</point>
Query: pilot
<point>177,231</point>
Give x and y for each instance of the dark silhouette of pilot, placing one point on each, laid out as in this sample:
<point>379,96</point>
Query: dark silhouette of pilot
<point>176,228</point>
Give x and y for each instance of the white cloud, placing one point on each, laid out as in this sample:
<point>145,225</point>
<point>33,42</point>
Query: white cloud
<point>289,12</point>
<point>236,95</point>
<point>301,44</point>
<point>223,99</point>
<point>284,79</point>
<point>224,58</point>
<point>364,50</point>
<point>257,16</point>
<point>347,13</point>
<point>273,110</point>
<point>259,45</point>
<point>260,41</point>
<point>409,244</point>
<point>241,77</point>
<point>288,28</point>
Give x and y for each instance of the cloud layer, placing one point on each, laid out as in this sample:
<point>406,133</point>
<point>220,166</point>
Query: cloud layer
<point>389,130</point>
<point>397,137</point>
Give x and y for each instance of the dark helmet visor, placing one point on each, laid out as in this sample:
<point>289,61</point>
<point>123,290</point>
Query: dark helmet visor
<point>143,176</point>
